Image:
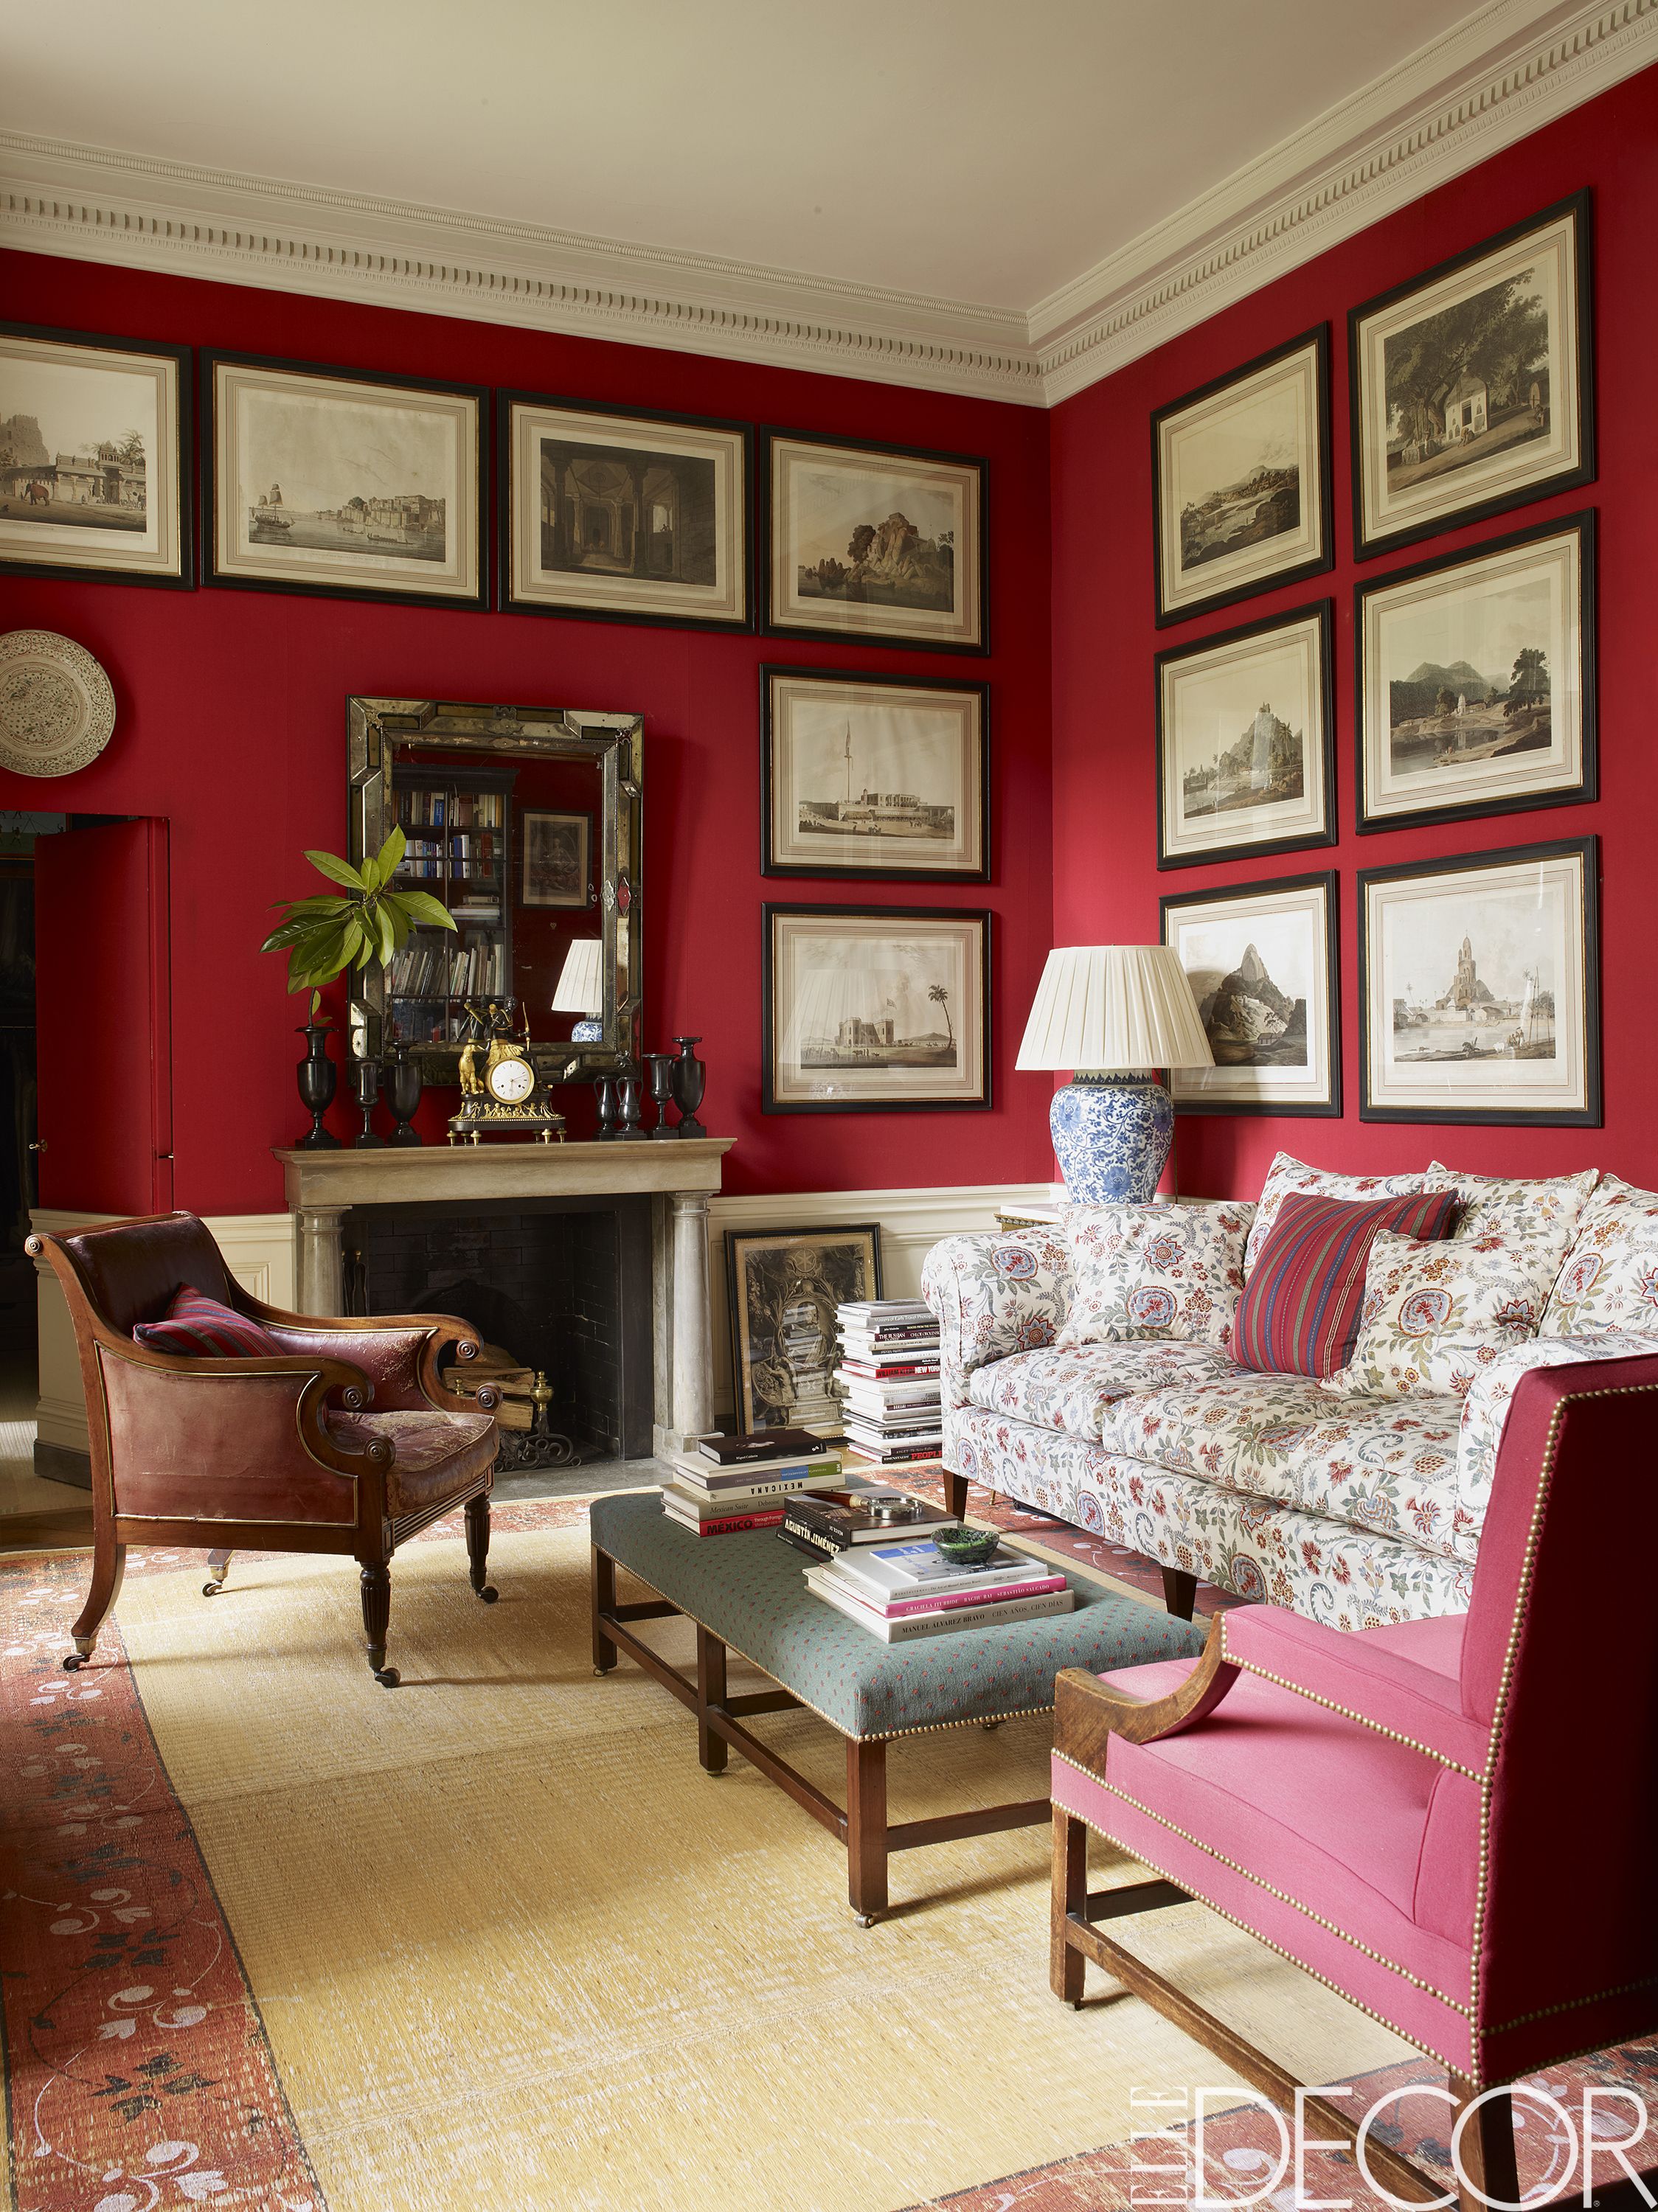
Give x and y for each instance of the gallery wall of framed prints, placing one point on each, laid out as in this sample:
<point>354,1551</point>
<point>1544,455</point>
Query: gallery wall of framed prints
<point>1472,690</point>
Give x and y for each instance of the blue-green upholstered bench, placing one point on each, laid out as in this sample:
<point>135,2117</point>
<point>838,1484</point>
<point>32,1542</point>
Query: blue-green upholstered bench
<point>746,1593</point>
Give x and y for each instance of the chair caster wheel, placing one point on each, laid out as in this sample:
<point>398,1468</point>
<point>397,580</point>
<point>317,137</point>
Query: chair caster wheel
<point>489,1595</point>
<point>387,1677</point>
<point>863,1919</point>
<point>211,1590</point>
<point>75,1659</point>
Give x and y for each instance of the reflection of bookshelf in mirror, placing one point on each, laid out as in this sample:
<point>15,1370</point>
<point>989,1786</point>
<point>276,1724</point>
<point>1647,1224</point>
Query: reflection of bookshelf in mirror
<point>458,824</point>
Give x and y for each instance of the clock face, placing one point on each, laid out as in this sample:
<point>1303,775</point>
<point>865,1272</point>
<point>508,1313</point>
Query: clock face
<point>511,1081</point>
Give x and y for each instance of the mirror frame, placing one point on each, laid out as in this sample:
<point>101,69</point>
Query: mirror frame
<point>614,744</point>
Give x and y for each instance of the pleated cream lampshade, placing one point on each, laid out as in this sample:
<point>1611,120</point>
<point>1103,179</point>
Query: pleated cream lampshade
<point>580,988</point>
<point>1108,1006</point>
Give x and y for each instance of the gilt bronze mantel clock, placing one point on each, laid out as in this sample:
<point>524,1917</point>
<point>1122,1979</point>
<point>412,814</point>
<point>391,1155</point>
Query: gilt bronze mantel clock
<point>502,1093</point>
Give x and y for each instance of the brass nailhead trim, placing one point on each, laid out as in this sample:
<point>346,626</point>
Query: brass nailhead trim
<point>1282,1896</point>
<point>1183,1882</point>
<point>1299,1690</point>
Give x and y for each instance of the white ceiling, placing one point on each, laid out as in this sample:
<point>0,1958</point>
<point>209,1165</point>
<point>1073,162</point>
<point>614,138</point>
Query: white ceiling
<point>980,150</point>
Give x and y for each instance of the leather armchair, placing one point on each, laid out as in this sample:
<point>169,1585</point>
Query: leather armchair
<point>346,1443</point>
<point>1449,1820</point>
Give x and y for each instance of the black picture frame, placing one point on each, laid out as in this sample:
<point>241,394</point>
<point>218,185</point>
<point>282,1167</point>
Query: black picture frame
<point>772,627</point>
<point>773,912</point>
<point>1326,882</point>
<point>1322,611</point>
<point>212,358</point>
<point>859,679</point>
<point>508,602</point>
<point>1277,580</point>
<point>738,1244</point>
<point>1588,789</point>
<point>1587,851</point>
<point>184,444</point>
<point>1577,207</point>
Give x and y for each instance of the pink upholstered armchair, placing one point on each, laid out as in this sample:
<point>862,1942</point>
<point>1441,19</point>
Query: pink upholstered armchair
<point>1399,1810</point>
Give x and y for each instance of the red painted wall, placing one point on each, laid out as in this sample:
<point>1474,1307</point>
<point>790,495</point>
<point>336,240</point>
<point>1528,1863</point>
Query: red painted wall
<point>232,726</point>
<point>1107,883</point>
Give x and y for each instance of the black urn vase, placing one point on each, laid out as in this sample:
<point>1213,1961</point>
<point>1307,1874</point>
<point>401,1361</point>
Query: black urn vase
<point>317,1077</point>
<point>399,1086</point>
<point>690,1080</point>
<point>365,1075</point>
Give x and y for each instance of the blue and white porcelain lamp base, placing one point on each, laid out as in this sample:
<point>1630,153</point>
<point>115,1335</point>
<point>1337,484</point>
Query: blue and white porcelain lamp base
<point>589,1030</point>
<point>1111,1134</point>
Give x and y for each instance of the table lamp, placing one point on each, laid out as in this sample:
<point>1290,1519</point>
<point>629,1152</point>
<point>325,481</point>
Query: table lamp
<point>580,990</point>
<point>1114,1014</point>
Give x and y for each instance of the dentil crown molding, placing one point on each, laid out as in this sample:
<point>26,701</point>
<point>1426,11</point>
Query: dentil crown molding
<point>1506,70</point>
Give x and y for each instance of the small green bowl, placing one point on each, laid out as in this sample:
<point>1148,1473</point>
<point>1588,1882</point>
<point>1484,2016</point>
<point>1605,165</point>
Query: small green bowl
<point>967,1547</point>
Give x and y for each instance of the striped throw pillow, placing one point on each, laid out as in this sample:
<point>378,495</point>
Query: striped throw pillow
<point>1299,1313</point>
<point>196,1326</point>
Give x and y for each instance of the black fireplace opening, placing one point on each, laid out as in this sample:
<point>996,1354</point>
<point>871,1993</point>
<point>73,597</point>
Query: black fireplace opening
<point>560,1289</point>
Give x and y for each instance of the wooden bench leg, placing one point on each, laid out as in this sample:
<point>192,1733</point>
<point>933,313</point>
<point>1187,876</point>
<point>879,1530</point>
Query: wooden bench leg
<point>711,1749</point>
<point>866,1830</point>
<point>1066,1965</point>
<point>955,1493</point>
<point>604,1654</point>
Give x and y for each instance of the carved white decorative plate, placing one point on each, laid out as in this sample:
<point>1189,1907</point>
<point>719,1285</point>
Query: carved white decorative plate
<point>57,709</point>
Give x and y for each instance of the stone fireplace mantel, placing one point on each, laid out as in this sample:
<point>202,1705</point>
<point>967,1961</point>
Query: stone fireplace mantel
<point>679,1174</point>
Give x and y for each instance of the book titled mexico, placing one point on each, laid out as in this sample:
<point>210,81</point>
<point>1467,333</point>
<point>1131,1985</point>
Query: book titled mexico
<point>731,1524</point>
<point>820,1581</point>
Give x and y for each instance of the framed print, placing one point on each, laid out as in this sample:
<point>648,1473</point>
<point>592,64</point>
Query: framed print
<point>335,482</point>
<point>876,1009</point>
<point>882,543</point>
<point>635,517</point>
<point>555,857</point>
<point>1246,741</point>
<point>95,458</point>
<point>1262,964</point>
<point>1472,386</point>
<point>1480,982</point>
<point>874,776</point>
<point>1241,481</point>
<point>1475,676</point>
<point>785,1286</point>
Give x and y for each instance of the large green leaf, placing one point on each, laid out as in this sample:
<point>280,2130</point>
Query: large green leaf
<point>387,935</point>
<point>422,908</point>
<point>337,870</point>
<point>300,925</point>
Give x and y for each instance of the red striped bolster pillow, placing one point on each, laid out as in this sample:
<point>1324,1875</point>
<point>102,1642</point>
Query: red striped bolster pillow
<point>1299,1313</point>
<point>196,1326</point>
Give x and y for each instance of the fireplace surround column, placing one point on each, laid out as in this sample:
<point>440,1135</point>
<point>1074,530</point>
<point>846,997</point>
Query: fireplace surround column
<point>692,1367</point>
<point>319,1278</point>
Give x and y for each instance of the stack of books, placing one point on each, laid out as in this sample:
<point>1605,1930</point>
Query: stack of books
<point>730,1484</point>
<point>888,1374</point>
<point>855,1511</point>
<point>907,1590</point>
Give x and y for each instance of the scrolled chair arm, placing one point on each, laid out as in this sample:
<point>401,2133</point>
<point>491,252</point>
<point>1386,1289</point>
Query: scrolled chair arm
<point>1087,1711</point>
<point>404,1353</point>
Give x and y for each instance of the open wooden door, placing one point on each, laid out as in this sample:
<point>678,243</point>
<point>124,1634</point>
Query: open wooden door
<point>104,1019</point>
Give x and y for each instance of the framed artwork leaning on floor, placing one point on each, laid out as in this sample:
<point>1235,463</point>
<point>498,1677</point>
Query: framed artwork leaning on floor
<point>874,1009</point>
<point>784,1285</point>
<point>1262,964</point>
<point>1479,988</point>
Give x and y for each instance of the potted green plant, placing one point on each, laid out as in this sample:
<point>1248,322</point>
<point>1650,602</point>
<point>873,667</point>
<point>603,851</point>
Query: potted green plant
<point>364,921</point>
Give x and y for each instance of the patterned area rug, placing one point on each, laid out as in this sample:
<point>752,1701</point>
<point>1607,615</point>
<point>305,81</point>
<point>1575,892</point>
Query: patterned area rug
<point>275,1938</point>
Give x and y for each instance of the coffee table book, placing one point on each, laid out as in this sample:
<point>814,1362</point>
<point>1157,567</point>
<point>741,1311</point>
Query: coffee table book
<point>833,1519</point>
<point>820,1581</point>
<point>725,1524</point>
<point>761,1479</point>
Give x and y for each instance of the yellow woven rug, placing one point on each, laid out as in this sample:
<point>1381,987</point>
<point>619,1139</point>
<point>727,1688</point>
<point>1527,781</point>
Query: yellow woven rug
<point>505,1945</point>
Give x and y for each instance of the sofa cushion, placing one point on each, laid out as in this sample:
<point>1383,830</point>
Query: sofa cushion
<point>1299,1313</point>
<point>1538,1215</point>
<point>1610,1277</point>
<point>1435,1313</point>
<point>1288,1175</point>
<point>1069,1390</point>
<point>1142,1272</point>
<point>1279,1437</point>
<point>1485,1408</point>
<point>196,1326</point>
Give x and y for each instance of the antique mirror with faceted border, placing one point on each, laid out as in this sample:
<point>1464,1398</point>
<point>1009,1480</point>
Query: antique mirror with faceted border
<point>461,780</point>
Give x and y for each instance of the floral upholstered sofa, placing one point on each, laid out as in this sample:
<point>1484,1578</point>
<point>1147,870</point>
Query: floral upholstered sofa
<point>1357,1500</point>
